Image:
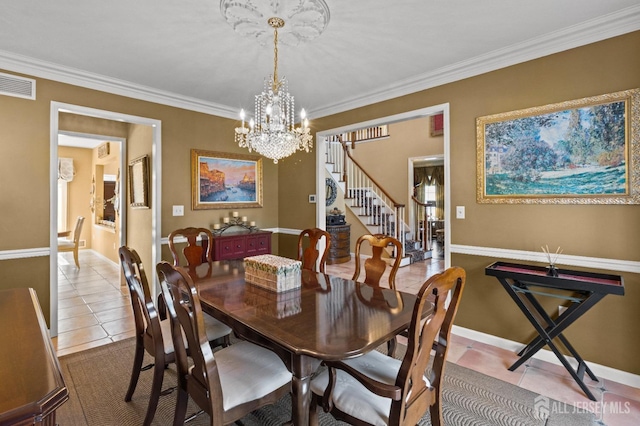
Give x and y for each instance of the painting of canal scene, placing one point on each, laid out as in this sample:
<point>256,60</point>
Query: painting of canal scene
<point>224,180</point>
<point>575,152</point>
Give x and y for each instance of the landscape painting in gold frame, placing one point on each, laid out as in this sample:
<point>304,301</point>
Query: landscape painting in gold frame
<point>585,151</point>
<point>222,180</point>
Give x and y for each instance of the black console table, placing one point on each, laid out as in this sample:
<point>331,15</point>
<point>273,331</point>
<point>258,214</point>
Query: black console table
<point>583,289</point>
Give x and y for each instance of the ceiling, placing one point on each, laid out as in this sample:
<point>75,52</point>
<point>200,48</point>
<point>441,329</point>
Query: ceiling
<point>184,53</point>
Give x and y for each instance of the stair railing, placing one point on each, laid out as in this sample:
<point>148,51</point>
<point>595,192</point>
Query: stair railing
<point>381,210</point>
<point>421,229</point>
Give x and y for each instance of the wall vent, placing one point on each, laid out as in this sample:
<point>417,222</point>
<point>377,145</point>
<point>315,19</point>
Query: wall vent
<point>18,87</point>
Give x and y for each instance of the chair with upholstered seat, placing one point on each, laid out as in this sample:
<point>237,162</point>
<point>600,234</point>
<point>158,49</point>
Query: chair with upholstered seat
<point>376,265</point>
<point>152,334</point>
<point>193,253</point>
<point>65,244</point>
<point>377,389</point>
<point>227,384</point>
<point>309,255</point>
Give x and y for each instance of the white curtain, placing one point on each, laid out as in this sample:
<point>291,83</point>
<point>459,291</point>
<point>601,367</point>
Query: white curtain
<point>65,169</point>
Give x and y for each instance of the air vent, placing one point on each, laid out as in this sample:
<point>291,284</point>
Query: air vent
<point>19,87</point>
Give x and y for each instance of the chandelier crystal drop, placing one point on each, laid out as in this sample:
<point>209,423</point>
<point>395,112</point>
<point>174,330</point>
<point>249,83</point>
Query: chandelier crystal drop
<point>273,133</point>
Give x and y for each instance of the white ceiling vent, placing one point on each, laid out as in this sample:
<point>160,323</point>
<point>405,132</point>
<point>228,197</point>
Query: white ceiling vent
<point>19,87</point>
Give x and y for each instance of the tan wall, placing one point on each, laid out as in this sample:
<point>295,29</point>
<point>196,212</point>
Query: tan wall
<point>608,231</point>
<point>604,231</point>
<point>24,143</point>
<point>407,139</point>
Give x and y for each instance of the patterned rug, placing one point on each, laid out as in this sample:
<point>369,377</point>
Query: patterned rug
<point>98,379</point>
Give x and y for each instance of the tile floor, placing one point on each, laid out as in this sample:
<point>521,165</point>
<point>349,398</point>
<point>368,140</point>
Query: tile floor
<point>95,310</point>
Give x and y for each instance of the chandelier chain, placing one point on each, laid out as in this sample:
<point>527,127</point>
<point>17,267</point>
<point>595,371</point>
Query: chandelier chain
<point>276,84</point>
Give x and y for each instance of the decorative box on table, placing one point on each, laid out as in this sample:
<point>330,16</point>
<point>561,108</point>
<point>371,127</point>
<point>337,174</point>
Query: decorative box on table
<point>272,272</point>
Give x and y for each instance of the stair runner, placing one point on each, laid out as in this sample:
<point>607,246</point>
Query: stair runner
<point>414,254</point>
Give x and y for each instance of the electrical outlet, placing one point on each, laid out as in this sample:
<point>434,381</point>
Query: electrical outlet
<point>178,210</point>
<point>459,212</point>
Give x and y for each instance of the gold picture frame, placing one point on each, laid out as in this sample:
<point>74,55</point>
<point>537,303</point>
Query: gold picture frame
<point>221,180</point>
<point>584,151</point>
<point>139,183</point>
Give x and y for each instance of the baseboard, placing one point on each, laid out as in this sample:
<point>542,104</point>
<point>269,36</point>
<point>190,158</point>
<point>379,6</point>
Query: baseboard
<point>602,371</point>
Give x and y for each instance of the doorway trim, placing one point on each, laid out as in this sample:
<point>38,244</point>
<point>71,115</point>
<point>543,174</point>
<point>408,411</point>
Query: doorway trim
<point>409,115</point>
<point>156,190</point>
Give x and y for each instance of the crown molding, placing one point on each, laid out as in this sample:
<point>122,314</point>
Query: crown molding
<point>37,68</point>
<point>608,26</point>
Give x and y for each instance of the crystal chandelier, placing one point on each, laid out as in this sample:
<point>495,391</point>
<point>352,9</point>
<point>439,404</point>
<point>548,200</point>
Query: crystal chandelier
<point>273,133</point>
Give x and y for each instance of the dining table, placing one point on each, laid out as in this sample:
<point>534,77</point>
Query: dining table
<point>325,318</point>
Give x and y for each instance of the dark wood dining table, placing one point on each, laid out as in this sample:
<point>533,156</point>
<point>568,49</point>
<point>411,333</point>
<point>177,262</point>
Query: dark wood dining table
<point>326,318</point>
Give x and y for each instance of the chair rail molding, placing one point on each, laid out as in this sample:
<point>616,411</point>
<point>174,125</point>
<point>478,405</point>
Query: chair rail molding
<point>24,253</point>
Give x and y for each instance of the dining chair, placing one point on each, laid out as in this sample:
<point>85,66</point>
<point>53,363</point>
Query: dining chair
<point>378,389</point>
<point>152,334</point>
<point>227,384</point>
<point>375,266</point>
<point>309,255</point>
<point>65,244</point>
<point>193,253</point>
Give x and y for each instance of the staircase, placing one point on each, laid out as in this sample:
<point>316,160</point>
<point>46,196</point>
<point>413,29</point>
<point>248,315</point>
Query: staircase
<point>368,201</point>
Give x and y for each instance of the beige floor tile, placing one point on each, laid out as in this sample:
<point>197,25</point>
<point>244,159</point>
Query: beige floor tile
<point>103,296</point>
<point>73,311</point>
<point>110,304</point>
<point>76,322</point>
<point>68,303</point>
<point>119,326</point>
<point>114,314</point>
<point>561,388</point>
<point>83,347</point>
<point>81,336</point>
<point>489,364</point>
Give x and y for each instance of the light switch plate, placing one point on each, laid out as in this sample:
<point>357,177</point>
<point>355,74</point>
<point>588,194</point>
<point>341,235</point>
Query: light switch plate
<point>178,210</point>
<point>459,212</point>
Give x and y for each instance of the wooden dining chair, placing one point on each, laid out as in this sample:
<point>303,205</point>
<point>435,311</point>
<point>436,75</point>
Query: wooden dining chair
<point>376,265</point>
<point>309,255</point>
<point>227,384</point>
<point>152,334</point>
<point>73,245</point>
<point>377,389</point>
<point>193,253</point>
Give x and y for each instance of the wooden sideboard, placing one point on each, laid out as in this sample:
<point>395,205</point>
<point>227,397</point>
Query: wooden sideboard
<point>238,245</point>
<point>340,250</point>
<point>31,384</point>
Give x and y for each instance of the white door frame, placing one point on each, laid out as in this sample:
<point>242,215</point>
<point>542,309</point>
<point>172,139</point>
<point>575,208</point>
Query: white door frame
<point>424,112</point>
<point>156,190</point>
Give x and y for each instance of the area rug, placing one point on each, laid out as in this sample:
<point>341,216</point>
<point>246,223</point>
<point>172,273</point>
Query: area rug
<point>98,379</point>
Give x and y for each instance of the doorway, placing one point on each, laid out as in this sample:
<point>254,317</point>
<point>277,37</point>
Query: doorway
<point>155,190</point>
<point>424,112</point>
